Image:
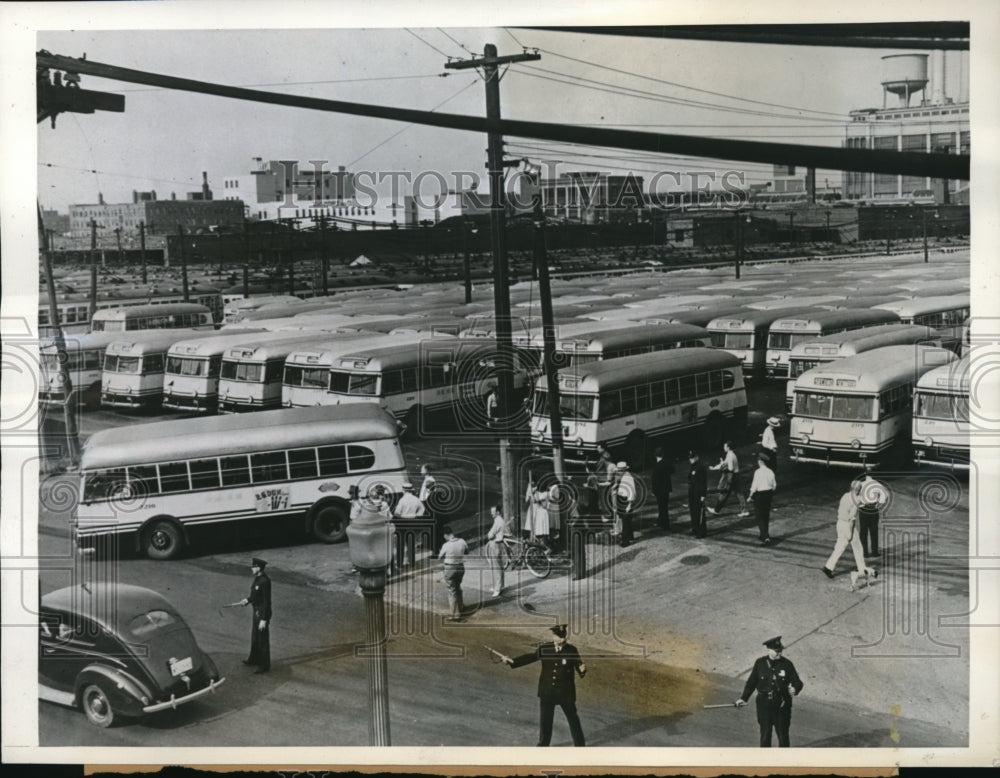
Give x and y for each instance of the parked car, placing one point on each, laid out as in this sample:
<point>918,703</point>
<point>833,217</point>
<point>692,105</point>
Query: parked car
<point>118,651</point>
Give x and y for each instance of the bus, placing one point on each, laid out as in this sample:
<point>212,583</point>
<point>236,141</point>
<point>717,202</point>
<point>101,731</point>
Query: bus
<point>191,380</point>
<point>626,402</point>
<point>945,313</point>
<point>134,366</point>
<point>251,374</point>
<point>604,342</point>
<point>940,430</point>
<point>744,335</point>
<point>412,381</point>
<point>237,306</point>
<point>819,351</point>
<point>154,485</point>
<point>855,411</point>
<point>153,317</point>
<point>789,331</point>
<point>84,362</point>
<point>306,377</point>
<point>74,307</point>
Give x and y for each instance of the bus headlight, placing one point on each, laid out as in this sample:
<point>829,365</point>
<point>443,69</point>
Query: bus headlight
<point>579,441</point>
<point>855,444</point>
<point>536,434</point>
<point>928,441</point>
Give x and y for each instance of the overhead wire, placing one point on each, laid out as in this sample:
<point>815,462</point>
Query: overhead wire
<point>428,43</point>
<point>457,43</point>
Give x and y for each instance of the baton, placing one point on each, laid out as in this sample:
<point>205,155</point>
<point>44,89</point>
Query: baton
<point>502,657</point>
<point>726,705</point>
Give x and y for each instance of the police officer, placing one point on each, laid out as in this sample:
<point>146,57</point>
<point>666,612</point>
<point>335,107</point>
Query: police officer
<point>556,684</point>
<point>260,629</point>
<point>697,481</point>
<point>776,682</point>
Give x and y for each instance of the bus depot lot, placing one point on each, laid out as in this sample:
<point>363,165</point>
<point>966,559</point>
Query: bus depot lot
<point>668,625</point>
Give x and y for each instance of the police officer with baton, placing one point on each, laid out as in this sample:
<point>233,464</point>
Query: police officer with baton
<point>776,682</point>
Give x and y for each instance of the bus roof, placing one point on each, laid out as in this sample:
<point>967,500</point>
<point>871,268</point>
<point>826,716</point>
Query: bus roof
<point>150,341</point>
<point>700,317</point>
<point>236,434</point>
<point>637,334</point>
<point>851,342</point>
<point>217,343</point>
<point>908,308</point>
<point>138,311</point>
<point>86,341</point>
<point>835,318</point>
<point>953,377</point>
<point>874,370</point>
<point>394,355</point>
<point>325,350</point>
<point>756,318</point>
<point>279,348</point>
<point>625,371</point>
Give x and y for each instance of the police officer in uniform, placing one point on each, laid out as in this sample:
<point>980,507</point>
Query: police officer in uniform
<point>556,684</point>
<point>697,481</point>
<point>260,631</point>
<point>776,682</point>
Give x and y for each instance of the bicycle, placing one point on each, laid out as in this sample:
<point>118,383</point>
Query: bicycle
<point>530,554</point>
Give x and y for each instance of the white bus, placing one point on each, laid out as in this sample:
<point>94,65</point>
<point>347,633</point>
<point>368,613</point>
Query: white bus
<point>84,363</point>
<point>134,366</point>
<point>191,381</point>
<point>941,416</point>
<point>412,381</point>
<point>251,375</point>
<point>153,317</point>
<point>788,331</point>
<point>625,402</point>
<point>852,412</point>
<point>947,313</point>
<point>306,378</point>
<point>155,484</point>
<point>615,342</point>
<point>236,307</point>
<point>744,335</point>
<point>828,348</point>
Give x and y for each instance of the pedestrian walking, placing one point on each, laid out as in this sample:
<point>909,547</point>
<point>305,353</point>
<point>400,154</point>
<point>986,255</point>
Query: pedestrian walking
<point>775,680</point>
<point>625,495</point>
<point>496,551</point>
<point>428,491</point>
<point>660,483</point>
<point>407,514</point>
<point>697,481</point>
<point>729,480</point>
<point>554,505</point>
<point>539,508</point>
<point>561,663</point>
<point>260,625</point>
<point>605,469</point>
<point>768,442</point>
<point>848,533</point>
<point>453,555</point>
<point>873,499</point>
<point>762,492</point>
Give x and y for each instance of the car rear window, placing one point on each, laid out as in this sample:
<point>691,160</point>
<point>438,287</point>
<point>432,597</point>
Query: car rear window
<point>146,623</point>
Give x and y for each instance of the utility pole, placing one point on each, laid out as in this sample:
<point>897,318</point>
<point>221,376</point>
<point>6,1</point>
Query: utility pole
<point>184,265</point>
<point>93,269</point>
<point>490,63</point>
<point>323,256</point>
<point>142,250</point>
<point>737,242</point>
<point>466,263</point>
<point>118,240</point>
<point>69,415</point>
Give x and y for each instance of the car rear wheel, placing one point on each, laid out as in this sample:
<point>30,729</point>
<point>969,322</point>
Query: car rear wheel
<point>97,706</point>
<point>163,540</point>
<point>330,524</point>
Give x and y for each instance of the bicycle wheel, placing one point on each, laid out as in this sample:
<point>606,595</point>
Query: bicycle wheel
<point>537,561</point>
<point>509,557</point>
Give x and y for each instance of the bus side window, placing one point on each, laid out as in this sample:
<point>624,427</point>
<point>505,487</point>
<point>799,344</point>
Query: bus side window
<point>360,458</point>
<point>332,460</point>
<point>269,467</point>
<point>235,470</point>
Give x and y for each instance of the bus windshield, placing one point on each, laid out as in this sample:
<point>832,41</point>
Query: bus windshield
<point>942,406</point>
<point>571,406</point>
<point>820,405</point>
<point>187,366</point>
<point>313,377</point>
<point>242,371</point>
<point>799,366</point>
<point>353,383</point>
<point>114,364</point>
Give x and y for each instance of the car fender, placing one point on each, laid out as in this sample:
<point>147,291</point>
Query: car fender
<point>128,693</point>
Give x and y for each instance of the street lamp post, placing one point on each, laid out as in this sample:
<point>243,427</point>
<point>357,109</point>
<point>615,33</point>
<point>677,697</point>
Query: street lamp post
<point>369,536</point>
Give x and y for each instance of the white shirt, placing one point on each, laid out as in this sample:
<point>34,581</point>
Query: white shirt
<point>763,480</point>
<point>767,439</point>
<point>409,506</point>
<point>729,463</point>
<point>425,488</point>
<point>626,487</point>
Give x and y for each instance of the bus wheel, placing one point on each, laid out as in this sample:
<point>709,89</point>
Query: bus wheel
<point>329,524</point>
<point>635,449</point>
<point>162,540</point>
<point>715,428</point>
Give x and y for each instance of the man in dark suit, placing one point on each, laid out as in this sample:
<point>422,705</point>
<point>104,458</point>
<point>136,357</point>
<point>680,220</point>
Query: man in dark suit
<point>776,682</point>
<point>556,684</point>
<point>660,481</point>
<point>260,629</point>
<point>697,480</point>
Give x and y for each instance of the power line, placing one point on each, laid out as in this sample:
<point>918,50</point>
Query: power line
<point>313,83</point>
<point>190,181</point>
<point>460,45</point>
<point>428,43</point>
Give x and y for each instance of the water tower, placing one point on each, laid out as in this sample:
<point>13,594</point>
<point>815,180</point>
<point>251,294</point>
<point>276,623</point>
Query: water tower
<point>903,74</point>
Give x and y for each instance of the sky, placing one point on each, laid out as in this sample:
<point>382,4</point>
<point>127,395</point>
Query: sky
<point>166,138</point>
